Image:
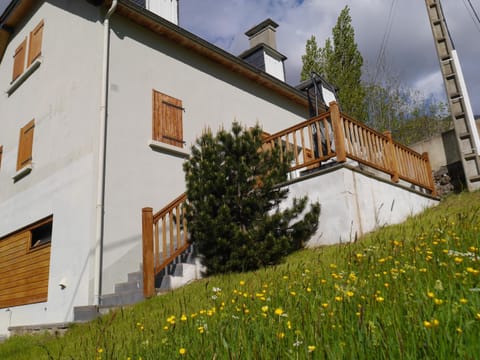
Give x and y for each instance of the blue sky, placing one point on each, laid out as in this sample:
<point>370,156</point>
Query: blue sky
<point>409,52</point>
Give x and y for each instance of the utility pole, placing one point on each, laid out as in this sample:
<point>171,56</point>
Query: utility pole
<point>458,100</point>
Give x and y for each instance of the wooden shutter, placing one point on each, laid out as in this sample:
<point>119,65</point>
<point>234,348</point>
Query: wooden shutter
<point>1,152</point>
<point>19,59</point>
<point>167,119</point>
<point>35,43</point>
<point>25,145</point>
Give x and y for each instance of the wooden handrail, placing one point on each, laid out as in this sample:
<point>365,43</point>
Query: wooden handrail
<point>331,134</point>
<point>164,237</point>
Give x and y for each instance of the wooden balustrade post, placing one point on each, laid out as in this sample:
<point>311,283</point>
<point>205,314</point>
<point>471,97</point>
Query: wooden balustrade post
<point>338,132</point>
<point>147,243</point>
<point>429,173</point>
<point>392,160</point>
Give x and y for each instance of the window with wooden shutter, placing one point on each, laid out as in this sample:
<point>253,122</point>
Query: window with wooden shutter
<point>19,59</point>
<point>25,145</point>
<point>167,119</point>
<point>35,43</point>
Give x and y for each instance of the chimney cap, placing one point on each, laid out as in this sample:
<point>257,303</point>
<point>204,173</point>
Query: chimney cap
<point>261,26</point>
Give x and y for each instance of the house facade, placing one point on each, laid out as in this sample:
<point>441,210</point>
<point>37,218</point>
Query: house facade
<point>101,102</point>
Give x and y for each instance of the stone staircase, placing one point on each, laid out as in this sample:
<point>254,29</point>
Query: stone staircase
<point>182,270</point>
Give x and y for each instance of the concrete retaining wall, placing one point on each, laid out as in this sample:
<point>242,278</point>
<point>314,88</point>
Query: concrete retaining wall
<point>355,202</point>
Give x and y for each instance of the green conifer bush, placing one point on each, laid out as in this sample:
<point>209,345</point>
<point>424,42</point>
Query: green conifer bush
<point>233,211</point>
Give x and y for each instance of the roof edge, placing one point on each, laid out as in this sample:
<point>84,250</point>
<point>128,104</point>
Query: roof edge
<point>191,41</point>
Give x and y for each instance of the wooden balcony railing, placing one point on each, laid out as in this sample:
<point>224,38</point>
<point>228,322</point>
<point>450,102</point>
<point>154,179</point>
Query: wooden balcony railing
<point>331,135</point>
<point>335,135</point>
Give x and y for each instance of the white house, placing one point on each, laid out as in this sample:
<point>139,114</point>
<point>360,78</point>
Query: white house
<point>100,103</point>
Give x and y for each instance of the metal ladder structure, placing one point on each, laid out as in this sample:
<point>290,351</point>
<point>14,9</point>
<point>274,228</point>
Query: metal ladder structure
<point>459,103</point>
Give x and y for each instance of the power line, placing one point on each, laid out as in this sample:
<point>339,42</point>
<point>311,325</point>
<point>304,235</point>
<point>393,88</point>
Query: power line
<point>381,54</point>
<point>476,19</point>
<point>474,11</point>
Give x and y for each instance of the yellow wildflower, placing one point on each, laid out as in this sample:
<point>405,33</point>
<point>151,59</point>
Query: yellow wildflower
<point>463,301</point>
<point>281,335</point>
<point>325,305</point>
<point>182,351</point>
<point>430,294</point>
<point>311,348</point>
<point>427,324</point>
<point>183,317</point>
<point>458,260</point>
<point>278,311</point>
<point>349,293</point>
<point>265,308</point>
<point>438,301</point>
<point>379,299</point>
<point>242,282</point>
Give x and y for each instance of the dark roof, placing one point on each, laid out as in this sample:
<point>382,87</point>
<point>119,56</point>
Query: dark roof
<point>260,26</point>
<point>268,49</point>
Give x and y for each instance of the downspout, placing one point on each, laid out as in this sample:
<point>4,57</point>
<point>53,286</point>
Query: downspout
<point>101,157</point>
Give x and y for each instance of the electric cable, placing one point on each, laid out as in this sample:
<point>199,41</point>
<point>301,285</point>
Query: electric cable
<point>474,17</point>
<point>386,35</point>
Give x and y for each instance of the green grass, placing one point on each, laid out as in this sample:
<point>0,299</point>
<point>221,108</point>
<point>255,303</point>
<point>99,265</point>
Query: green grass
<point>403,292</point>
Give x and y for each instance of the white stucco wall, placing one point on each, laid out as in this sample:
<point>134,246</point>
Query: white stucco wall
<point>167,9</point>
<point>274,67</point>
<point>137,176</point>
<point>62,95</point>
<point>353,204</point>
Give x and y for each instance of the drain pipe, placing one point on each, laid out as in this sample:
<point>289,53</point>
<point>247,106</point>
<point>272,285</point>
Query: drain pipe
<point>101,157</point>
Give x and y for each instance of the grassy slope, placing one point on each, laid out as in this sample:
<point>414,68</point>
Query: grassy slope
<point>401,292</point>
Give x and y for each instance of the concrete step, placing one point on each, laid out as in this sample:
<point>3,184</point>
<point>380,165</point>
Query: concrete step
<point>123,298</point>
<point>182,275</point>
<point>135,276</point>
<point>128,286</point>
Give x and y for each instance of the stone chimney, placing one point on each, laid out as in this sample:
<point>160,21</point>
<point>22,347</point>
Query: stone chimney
<point>168,9</point>
<point>263,52</point>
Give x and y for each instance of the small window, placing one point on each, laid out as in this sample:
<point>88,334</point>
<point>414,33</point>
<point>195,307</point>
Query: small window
<point>25,145</point>
<point>19,60</point>
<point>35,43</point>
<point>42,234</point>
<point>167,119</point>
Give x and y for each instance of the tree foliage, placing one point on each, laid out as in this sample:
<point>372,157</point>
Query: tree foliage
<point>406,113</point>
<point>312,60</point>
<point>340,63</point>
<point>234,214</point>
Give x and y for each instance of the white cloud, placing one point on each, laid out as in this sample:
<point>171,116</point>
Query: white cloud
<point>410,49</point>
